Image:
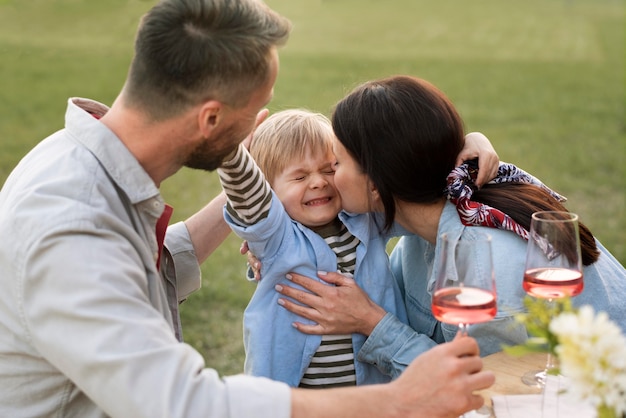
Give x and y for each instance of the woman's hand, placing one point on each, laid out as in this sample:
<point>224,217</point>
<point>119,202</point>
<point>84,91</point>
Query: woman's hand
<point>478,146</point>
<point>340,309</point>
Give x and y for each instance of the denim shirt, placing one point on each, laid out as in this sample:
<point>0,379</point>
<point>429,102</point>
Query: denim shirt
<point>274,348</point>
<point>392,345</point>
<point>88,325</point>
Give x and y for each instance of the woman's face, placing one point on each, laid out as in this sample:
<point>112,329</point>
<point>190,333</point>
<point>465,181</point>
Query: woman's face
<point>351,183</point>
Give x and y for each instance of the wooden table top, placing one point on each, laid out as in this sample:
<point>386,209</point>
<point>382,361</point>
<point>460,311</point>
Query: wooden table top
<point>509,370</point>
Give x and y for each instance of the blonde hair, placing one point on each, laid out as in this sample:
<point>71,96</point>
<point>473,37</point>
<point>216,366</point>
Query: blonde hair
<point>287,136</point>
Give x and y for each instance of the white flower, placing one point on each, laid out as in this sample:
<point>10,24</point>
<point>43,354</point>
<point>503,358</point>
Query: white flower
<point>592,353</point>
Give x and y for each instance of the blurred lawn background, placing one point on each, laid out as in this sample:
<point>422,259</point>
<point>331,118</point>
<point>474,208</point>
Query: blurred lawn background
<point>543,79</point>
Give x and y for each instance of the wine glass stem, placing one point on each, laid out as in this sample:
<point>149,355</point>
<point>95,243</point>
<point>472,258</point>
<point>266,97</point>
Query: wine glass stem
<point>549,360</point>
<point>463,332</point>
<point>549,363</point>
<point>463,329</point>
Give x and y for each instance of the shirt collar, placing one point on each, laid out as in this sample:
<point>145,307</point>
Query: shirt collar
<point>119,163</point>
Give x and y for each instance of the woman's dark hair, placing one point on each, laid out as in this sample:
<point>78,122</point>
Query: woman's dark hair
<point>520,201</point>
<point>406,134</point>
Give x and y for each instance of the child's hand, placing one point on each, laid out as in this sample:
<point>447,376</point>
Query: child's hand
<point>260,117</point>
<point>478,146</point>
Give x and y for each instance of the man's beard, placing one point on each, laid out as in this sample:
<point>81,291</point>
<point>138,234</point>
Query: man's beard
<point>208,157</point>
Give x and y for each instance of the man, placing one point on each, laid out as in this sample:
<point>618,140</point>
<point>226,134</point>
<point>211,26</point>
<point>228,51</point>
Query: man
<point>89,321</point>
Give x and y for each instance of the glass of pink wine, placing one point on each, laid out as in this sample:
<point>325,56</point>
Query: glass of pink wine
<point>553,267</point>
<point>465,289</point>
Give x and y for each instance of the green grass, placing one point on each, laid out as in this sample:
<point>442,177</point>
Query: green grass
<point>544,79</point>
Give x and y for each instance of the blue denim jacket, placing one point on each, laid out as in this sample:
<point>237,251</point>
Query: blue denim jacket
<point>274,348</point>
<point>393,345</point>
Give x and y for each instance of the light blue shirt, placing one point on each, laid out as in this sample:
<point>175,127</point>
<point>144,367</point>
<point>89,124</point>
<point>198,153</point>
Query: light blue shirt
<point>274,348</point>
<point>87,324</point>
<point>393,344</point>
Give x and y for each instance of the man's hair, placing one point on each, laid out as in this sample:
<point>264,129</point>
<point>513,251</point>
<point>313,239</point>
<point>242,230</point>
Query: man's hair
<point>190,51</point>
<point>287,136</point>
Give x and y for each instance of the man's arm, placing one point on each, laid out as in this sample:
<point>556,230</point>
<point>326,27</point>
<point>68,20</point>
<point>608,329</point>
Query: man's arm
<point>207,227</point>
<point>439,383</point>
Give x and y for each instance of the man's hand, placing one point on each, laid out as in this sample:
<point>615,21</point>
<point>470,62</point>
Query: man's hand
<point>438,384</point>
<point>442,381</point>
<point>253,262</point>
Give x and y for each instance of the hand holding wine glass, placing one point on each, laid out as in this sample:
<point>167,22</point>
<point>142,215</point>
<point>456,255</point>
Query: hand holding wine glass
<point>553,266</point>
<point>465,289</point>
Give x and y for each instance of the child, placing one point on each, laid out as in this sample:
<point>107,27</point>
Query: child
<point>299,227</point>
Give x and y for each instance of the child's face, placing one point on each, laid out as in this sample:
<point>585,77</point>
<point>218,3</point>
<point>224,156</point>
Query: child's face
<point>307,189</point>
<point>351,183</point>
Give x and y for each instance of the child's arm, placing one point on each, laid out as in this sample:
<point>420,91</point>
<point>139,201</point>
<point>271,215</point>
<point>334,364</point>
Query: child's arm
<point>249,195</point>
<point>478,146</point>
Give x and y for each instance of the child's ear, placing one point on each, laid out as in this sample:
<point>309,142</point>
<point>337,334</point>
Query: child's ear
<point>209,117</point>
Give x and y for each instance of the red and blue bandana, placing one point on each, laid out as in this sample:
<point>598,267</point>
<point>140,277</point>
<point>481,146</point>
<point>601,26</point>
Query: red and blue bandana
<point>461,186</point>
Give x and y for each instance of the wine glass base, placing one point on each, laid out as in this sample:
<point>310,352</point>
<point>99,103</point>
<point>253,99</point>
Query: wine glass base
<point>482,412</point>
<point>535,378</point>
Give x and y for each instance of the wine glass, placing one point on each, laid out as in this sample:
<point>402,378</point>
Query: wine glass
<point>553,267</point>
<point>465,289</point>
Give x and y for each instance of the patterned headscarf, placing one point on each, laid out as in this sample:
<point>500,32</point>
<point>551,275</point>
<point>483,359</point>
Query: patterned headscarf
<point>461,186</point>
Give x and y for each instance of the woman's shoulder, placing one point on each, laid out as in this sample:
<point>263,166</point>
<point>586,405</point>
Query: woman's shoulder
<point>607,266</point>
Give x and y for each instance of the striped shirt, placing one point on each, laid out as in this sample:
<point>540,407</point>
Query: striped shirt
<point>333,362</point>
<point>249,201</point>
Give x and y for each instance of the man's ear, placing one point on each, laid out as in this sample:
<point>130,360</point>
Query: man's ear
<point>210,116</point>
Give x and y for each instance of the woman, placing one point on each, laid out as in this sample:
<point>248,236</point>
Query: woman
<point>397,140</point>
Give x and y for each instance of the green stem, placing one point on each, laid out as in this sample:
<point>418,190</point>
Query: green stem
<point>606,412</point>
